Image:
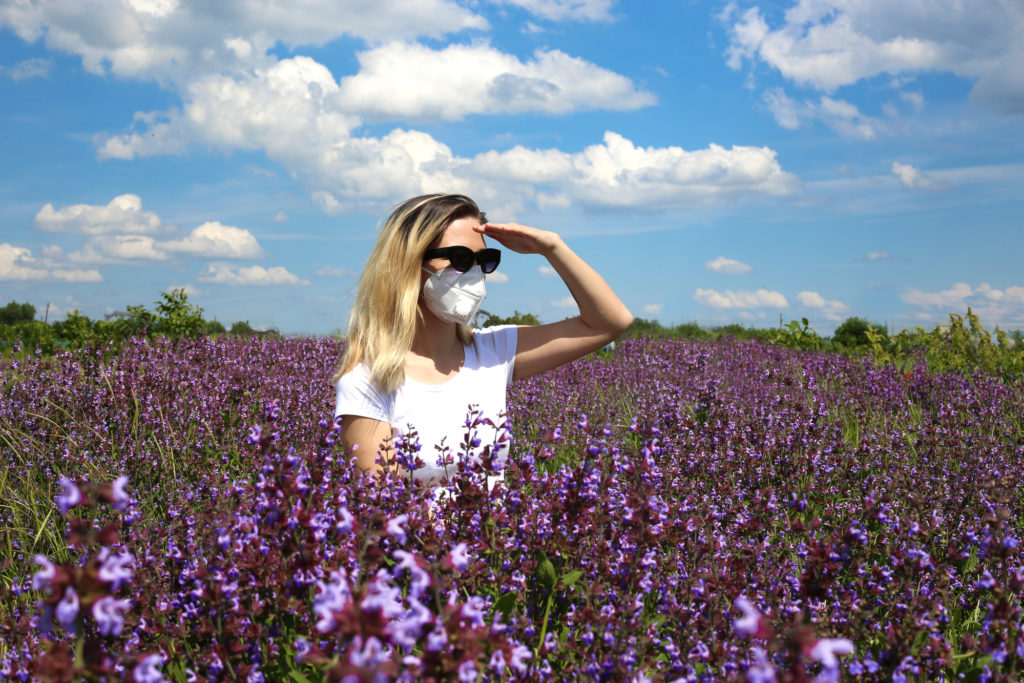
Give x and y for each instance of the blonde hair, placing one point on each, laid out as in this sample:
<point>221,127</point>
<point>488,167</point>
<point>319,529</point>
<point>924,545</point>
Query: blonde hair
<point>386,311</point>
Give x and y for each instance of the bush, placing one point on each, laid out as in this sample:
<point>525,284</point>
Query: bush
<point>852,333</point>
<point>516,318</point>
<point>242,327</point>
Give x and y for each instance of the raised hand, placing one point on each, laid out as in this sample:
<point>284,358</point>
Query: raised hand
<point>520,238</point>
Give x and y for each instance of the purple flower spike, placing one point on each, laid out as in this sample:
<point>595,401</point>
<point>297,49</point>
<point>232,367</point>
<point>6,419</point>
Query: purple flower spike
<point>45,576</point>
<point>67,609</point>
<point>148,670</point>
<point>517,662</point>
<point>69,496</point>
<point>116,569</point>
<point>107,613</point>
<point>121,498</point>
<point>395,527</point>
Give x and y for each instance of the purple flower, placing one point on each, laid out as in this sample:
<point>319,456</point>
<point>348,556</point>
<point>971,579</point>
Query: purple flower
<point>69,496</point>
<point>406,630</point>
<point>107,613</point>
<point>394,527</point>
<point>497,662</point>
<point>761,671</point>
<point>825,651</point>
<point>367,656</point>
<point>699,651</point>
<point>460,557</point>
<point>121,499</point>
<point>45,576</point>
<point>67,609</point>
<point>437,638</point>
<point>517,662</point>
<point>750,623</point>
<point>420,578</point>
<point>302,648</point>
<point>467,672</point>
<point>148,670</point>
<point>330,598</point>
<point>474,610</point>
<point>115,568</point>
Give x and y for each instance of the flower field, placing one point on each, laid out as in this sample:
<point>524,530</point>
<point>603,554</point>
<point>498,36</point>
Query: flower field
<point>696,511</point>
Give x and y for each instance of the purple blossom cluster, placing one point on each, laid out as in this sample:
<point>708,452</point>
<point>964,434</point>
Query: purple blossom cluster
<point>681,511</point>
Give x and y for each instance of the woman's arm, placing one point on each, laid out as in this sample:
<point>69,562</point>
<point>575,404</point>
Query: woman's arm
<point>603,316</point>
<point>372,436</point>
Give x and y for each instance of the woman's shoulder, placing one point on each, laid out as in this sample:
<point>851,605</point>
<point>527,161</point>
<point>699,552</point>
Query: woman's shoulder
<point>499,340</point>
<point>357,394</point>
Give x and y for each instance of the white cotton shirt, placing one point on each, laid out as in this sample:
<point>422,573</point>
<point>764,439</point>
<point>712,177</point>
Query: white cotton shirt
<point>438,411</point>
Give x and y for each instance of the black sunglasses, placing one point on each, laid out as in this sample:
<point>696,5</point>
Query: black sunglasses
<point>463,258</point>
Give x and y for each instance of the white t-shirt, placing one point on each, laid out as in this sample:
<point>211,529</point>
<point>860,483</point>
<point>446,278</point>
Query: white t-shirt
<point>438,411</point>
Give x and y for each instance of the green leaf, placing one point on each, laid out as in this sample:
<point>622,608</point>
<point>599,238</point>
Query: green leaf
<point>570,578</point>
<point>299,678</point>
<point>546,574</point>
<point>506,603</point>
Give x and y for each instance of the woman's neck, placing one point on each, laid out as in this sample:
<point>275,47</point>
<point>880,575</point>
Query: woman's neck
<point>436,339</point>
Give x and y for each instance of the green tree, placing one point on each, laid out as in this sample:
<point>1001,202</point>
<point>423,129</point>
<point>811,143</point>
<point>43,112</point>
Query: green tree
<point>516,318</point>
<point>17,313</point>
<point>76,329</point>
<point>641,327</point>
<point>852,333</point>
<point>241,327</point>
<point>214,327</point>
<point>176,317</point>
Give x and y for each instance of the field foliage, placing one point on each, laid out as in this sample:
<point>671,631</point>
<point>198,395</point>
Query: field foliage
<point>671,510</point>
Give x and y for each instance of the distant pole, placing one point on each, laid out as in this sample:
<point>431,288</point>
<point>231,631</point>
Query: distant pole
<point>46,318</point>
<point>780,321</point>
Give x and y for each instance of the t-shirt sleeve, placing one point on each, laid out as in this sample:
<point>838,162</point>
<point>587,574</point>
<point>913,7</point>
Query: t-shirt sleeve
<point>503,340</point>
<point>357,395</point>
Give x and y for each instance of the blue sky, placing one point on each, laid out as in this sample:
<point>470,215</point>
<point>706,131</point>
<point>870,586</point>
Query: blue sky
<point>716,162</point>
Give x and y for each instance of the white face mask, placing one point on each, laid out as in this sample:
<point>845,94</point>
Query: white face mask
<point>453,296</point>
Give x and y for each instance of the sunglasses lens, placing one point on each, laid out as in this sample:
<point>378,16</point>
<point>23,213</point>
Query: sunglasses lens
<point>461,259</point>
<point>489,260</point>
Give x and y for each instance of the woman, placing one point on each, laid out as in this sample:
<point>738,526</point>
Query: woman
<point>411,361</point>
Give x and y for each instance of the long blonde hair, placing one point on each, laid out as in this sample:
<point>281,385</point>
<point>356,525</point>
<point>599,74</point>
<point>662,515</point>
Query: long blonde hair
<point>386,311</point>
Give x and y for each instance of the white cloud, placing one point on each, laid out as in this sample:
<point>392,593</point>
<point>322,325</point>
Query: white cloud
<point>616,173</point>
<point>107,248</point>
<point>652,309</point>
<point>913,179</point>
<point>762,298</point>
<point>914,99</point>
<point>878,256</point>
<point>291,111</point>
<point>557,10</point>
<point>17,263</point>
<point>547,271</point>
<point>727,265</point>
<point>497,277</point>
<point>839,115</point>
<point>169,38</point>
<point>280,217</point>
<point>190,289</point>
<point>832,309</point>
<point>402,80</point>
<point>36,67</point>
<point>214,240</point>
<point>996,307</point>
<point>953,298</point>
<point>123,215</point>
<point>565,302</point>
<point>329,271</point>
<point>222,273</point>
<point>826,44</point>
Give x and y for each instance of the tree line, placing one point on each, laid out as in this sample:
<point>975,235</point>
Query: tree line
<point>173,316</point>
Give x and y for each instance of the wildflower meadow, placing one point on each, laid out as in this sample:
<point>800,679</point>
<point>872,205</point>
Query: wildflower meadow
<point>672,510</point>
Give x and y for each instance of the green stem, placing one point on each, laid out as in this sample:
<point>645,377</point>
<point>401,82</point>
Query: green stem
<point>544,624</point>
